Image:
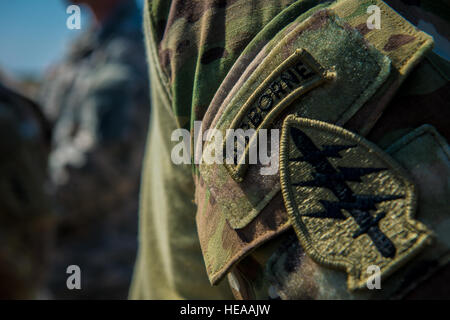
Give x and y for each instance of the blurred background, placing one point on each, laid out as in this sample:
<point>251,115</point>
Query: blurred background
<point>74,110</point>
<point>34,36</point>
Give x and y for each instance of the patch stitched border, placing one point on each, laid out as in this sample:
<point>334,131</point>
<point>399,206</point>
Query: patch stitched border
<point>390,261</point>
<point>287,74</point>
<point>239,217</point>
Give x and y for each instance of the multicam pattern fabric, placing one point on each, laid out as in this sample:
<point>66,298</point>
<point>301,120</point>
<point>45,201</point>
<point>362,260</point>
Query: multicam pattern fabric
<point>351,205</point>
<point>203,55</point>
<point>320,34</point>
<point>98,100</point>
<point>326,37</point>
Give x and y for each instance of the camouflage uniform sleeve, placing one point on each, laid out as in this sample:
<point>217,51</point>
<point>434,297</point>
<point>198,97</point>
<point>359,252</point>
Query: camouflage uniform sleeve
<point>111,113</point>
<point>317,64</point>
<point>191,47</point>
<point>246,219</point>
<point>169,264</point>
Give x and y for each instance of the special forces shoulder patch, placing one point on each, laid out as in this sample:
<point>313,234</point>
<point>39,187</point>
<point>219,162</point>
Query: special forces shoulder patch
<point>350,204</point>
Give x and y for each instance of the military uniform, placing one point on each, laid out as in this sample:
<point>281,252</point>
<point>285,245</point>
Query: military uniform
<point>98,100</point>
<point>26,221</point>
<point>363,153</point>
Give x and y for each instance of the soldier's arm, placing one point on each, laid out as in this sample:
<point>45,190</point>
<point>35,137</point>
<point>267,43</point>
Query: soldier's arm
<point>417,140</point>
<point>344,220</point>
<point>347,194</point>
<point>169,264</point>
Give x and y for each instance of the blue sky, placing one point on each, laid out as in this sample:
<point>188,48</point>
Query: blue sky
<point>33,34</point>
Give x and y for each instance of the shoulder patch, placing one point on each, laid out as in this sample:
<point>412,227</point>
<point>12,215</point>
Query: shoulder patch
<point>351,205</point>
<point>294,77</point>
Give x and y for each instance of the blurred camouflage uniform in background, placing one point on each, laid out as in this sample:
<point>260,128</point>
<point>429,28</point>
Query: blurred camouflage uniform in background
<point>209,61</point>
<point>98,101</point>
<point>26,221</point>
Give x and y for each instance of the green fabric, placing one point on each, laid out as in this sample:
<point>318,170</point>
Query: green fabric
<point>189,58</point>
<point>192,46</point>
<point>169,264</point>
<point>360,71</point>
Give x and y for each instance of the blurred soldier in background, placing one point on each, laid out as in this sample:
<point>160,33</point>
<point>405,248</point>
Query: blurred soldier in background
<point>239,64</point>
<point>26,221</point>
<point>97,99</point>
